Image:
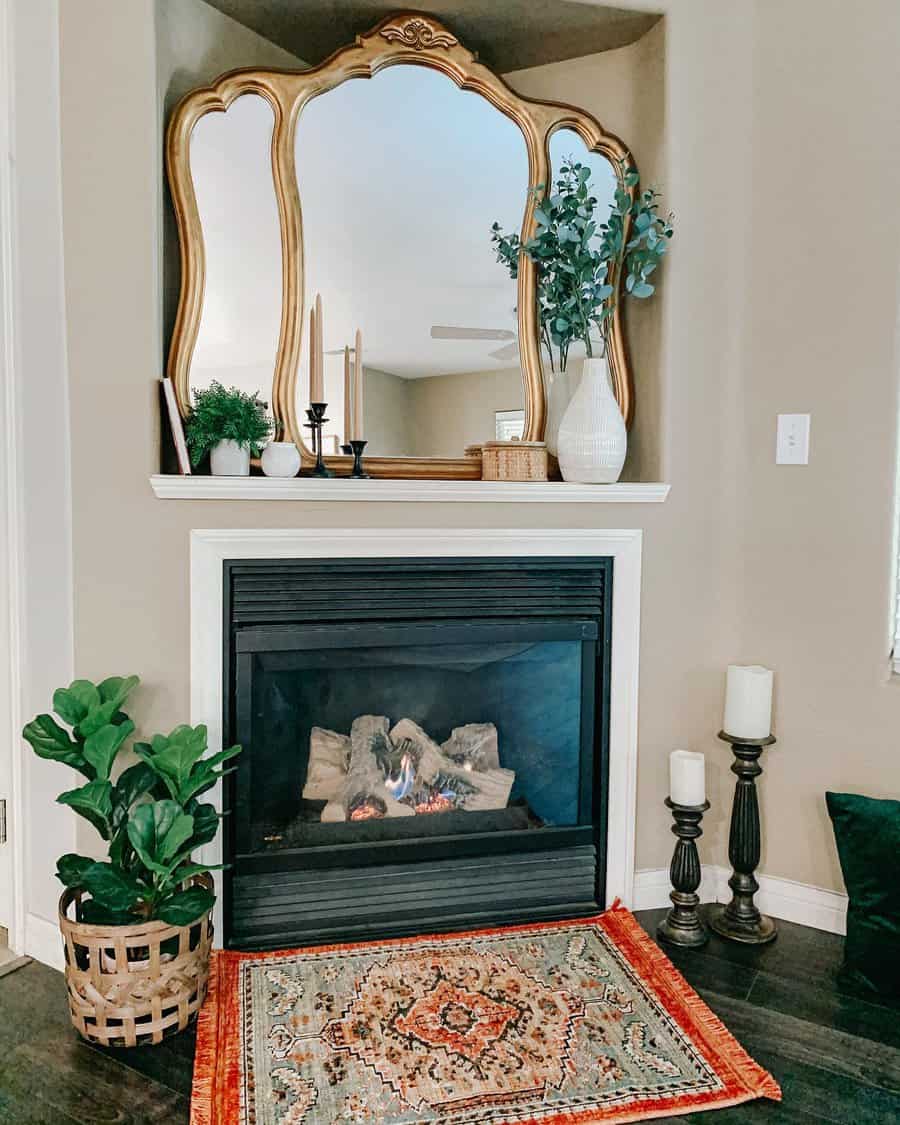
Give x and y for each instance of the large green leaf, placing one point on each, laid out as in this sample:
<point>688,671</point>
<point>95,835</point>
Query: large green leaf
<point>94,802</point>
<point>96,718</point>
<point>96,914</point>
<point>173,756</point>
<point>75,701</point>
<point>70,869</point>
<point>183,907</point>
<point>116,689</point>
<point>101,748</point>
<point>111,888</point>
<point>132,784</point>
<point>206,824</point>
<point>50,741</point>
<point>204,774</point>
<point>157,831</point>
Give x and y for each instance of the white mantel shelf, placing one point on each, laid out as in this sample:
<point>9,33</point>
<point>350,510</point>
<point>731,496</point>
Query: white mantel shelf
<point>388,491</point>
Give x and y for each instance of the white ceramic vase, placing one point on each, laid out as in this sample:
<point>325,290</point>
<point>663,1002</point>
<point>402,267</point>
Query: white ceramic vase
<point>592,437</point>
<point>280,459</point>
<point>229,459</point>
<point>560,388</point>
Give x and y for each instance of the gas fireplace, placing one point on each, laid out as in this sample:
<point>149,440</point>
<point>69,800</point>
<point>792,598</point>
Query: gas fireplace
<point>425,744</point>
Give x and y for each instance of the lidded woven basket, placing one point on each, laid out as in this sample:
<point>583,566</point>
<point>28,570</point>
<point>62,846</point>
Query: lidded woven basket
<point>132,985</point>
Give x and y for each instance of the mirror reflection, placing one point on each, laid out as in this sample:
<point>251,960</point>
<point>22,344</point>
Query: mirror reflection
<point>401,177</point>
<point>232,172</point>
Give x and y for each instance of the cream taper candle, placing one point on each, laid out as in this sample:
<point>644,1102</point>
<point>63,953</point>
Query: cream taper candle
<point>358,398</point>
<point>317,393</point>
<point>687,778</point>
<point>312,355</point>
<point>748,701</point>
<point>348,397</point>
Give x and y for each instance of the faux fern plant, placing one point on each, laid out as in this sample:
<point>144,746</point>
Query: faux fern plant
<point>151,817</point>
<point>221,414</point>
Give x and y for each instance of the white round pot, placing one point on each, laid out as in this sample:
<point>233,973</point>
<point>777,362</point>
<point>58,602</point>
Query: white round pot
<point>592,437</point>
<point>560,388</point>
<point>228,459</point>
<point>280,459</point>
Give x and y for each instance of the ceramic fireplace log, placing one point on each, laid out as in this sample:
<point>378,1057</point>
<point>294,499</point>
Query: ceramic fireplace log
<point>329,758</point>
<point>380,772</point>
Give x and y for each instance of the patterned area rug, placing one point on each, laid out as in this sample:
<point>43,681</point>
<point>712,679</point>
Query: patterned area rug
<point>560,1023</point>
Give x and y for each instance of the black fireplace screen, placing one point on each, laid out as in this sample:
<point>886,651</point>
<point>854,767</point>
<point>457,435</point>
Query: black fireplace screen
<point>410,723</point>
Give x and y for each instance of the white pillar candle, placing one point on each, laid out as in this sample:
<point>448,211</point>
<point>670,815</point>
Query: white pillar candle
<point>748,701</point>
<point>687,778</point>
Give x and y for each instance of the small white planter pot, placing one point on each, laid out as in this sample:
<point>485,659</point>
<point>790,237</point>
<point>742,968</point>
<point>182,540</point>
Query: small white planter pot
<point>280,459</point>
<point>228,459</point>
<point>592,439</point>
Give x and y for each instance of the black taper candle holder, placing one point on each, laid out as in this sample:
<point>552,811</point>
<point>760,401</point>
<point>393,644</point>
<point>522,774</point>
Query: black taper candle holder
<point>682,925</point>
<point>316,416</point>
<point>740,920</point>
<point>357,448</point>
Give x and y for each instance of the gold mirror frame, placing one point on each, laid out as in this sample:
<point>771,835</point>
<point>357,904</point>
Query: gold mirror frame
<point>404,38</point>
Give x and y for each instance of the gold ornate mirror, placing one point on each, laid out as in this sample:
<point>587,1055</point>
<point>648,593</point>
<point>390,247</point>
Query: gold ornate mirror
<point>380,197</point>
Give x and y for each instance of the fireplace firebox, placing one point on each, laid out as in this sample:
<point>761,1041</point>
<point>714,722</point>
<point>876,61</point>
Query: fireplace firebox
<point>425,745</point>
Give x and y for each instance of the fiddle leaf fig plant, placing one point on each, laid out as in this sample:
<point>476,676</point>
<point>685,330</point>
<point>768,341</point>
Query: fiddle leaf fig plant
<point>150,817</point>
<point>583,263</point>
<point>226,415</point>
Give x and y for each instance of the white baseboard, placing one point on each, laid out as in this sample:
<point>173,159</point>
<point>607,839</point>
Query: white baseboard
<point>43,942</point>
<point>782,898</point>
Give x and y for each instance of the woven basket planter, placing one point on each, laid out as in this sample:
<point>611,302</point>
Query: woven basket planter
<point>132,985</point>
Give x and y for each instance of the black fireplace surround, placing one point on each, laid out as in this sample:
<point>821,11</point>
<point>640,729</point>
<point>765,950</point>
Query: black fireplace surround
<point>520,643</point>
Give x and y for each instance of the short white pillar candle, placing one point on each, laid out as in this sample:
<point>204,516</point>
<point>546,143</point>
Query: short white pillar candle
<point>748,701</point>
<point>687,778</point>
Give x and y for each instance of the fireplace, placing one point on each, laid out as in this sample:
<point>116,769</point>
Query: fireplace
<point>425,744</point>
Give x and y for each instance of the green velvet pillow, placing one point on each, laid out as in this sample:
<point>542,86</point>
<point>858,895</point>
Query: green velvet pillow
<point>867,832</point>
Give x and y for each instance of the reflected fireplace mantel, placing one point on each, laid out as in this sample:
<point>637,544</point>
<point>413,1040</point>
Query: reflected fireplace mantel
<point>211,548</point>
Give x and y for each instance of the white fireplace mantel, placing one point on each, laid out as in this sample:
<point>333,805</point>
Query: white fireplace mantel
<point>210,548</point>
<point>463,491</point>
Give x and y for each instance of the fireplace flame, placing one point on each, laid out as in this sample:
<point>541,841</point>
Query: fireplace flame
<point>400,786</point>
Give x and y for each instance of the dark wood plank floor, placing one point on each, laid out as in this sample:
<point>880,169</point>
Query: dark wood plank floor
<point>835,1052</point>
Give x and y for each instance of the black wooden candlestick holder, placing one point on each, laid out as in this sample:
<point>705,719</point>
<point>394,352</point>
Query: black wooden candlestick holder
<point>316,416</point>
<point>682,925</point>
<point>357,448</point>
<point>740,920</point>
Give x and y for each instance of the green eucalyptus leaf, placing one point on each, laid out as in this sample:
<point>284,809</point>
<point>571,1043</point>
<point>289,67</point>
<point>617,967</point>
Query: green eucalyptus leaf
<point>643,289</point>
<point>94,802</point>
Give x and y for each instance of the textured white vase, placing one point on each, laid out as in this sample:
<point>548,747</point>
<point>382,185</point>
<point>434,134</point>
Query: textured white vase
<point>228,459</point>
<point>280,459</point>
<point>592,437</point>
<point>560,387</point>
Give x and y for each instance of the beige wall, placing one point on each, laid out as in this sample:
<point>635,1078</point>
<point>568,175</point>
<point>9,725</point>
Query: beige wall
<point>745,561</point>
<point>388,426</point>
<point>820,336</point>
<point>450,412</point>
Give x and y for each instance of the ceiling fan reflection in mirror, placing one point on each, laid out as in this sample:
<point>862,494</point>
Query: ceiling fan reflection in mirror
<point>449,332</point>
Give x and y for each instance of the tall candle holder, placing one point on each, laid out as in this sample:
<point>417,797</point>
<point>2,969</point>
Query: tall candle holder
<point>682,925</point>
<point>316,416</point>
<point>740,920</point>
<point>357,448</point>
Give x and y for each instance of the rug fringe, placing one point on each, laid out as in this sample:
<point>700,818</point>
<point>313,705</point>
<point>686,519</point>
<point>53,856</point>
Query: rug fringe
<point>668,981</point>
<point>203,1086</point>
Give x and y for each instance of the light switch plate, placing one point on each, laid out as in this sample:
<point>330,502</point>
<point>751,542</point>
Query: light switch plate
<point>792,439</point>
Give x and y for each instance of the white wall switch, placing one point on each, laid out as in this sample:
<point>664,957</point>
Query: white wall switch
<point>792,440</point>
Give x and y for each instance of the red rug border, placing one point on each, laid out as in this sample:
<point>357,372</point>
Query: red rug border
<point>215,1098</point>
